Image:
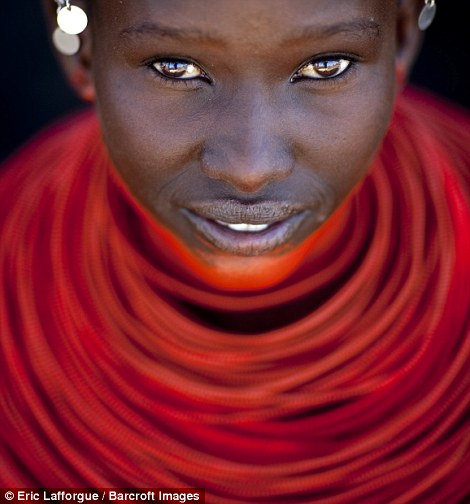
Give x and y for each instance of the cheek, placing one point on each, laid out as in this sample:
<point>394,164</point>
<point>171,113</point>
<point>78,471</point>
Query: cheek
<point>150,138</point>
<point>342,134</point>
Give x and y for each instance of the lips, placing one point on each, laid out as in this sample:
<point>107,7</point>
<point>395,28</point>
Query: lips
<point>245,229</point>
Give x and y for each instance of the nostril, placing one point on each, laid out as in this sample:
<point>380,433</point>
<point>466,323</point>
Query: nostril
<point>247,170</point>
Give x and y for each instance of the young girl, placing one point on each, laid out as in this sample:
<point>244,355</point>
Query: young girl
<point>248,272</point>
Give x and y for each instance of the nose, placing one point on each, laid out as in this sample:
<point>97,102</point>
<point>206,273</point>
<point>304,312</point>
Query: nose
<point>246,147</point>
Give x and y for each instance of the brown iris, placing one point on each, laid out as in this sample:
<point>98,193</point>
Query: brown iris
<point>323,69</point>
<point>177,69</point>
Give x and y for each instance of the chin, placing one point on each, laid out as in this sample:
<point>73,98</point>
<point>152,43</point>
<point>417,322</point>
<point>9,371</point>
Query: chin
<point>249,273</point>
<point>246,274</point>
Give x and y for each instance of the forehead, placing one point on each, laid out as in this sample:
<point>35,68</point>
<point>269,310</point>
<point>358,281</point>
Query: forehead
<point>232,20</point>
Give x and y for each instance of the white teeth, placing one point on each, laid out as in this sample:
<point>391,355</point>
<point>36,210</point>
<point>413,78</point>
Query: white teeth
<point>245,228</point>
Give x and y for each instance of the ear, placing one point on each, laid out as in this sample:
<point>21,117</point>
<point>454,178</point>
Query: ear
<point>77,68</point>
<point>408,36</point>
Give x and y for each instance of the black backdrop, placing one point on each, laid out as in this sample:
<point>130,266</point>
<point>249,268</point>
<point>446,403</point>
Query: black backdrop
<point>33,91</point>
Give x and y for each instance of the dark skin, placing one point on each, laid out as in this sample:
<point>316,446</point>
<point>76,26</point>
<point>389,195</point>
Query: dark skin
<point>242,126</point>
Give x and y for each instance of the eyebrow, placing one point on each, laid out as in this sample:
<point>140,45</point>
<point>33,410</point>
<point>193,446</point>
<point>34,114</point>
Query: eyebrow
<point>148,28</point>
<point>363,27</point>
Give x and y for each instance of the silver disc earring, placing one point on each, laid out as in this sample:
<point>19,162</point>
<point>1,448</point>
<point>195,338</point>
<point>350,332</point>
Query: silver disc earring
<point>71,21</point>
<point>427,15</point>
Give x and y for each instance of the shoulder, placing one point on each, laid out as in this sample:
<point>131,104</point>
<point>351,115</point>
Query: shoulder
<point>45,162</point>
<point>431,115</point>
<point>427,105</point>
<point>434,130</point>
<point>57,139</point>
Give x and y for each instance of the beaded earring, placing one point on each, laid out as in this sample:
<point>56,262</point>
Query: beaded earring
<point>71,21</point>
<point>427,14</point>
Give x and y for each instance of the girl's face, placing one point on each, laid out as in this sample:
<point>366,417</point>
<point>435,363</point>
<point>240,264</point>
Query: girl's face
<point>242,125</point>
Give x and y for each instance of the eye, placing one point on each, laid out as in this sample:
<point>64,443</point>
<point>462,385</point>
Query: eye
<point>178,69</point>
<point>326,68</point>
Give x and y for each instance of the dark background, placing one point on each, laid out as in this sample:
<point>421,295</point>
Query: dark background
<point>33,91</point>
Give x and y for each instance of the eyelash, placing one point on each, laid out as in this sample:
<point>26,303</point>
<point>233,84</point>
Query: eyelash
<point>175,81</point>
<point>334,79</point>
<point>196,81</point>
